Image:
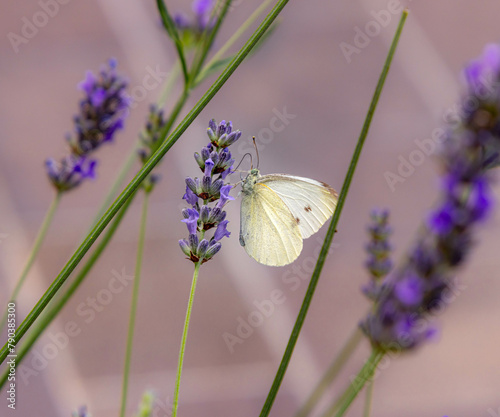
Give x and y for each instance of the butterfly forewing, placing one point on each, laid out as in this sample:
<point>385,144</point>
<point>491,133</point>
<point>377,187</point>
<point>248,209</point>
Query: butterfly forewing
<point>311,202</point>
<point>269,231</point>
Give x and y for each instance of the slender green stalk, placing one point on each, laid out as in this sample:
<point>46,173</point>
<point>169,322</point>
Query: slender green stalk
<point>236,35</point>
<point>133,304</point>
<point>34,252</point>
<point>331,230</point>
<point>49,315</point>
<point>115,187</point>
<point>368,399</point>
<point>142,174</point>
<point>364,376</point>
<point>184,338</point>
<point>202,53</point>
<point>331,373</point>
<point>169,25</point>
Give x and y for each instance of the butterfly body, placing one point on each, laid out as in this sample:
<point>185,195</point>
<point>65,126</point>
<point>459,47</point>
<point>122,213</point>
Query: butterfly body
<point>278,211</point>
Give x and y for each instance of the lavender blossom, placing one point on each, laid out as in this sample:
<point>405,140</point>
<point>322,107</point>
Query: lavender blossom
<point>102,113</point>
<point>70,172</point>
<point>192,28</point>
<point>379,262</point>
<point>415,290</point>
<point>150,142</point>
<point>215,163</point>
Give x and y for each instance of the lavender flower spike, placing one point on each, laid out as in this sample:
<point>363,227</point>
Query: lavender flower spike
<point>215,162</point>
<point>418,288</point>
<point>70,172</point>
<point>102,111</point>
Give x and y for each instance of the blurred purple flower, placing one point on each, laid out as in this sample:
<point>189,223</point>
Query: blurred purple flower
<point>70,172</point>
<point>102,111</point>
<point>417,288</point>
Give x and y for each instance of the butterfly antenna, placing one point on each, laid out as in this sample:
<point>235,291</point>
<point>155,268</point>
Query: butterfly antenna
<point>249,154</point>
<point>256,151</point>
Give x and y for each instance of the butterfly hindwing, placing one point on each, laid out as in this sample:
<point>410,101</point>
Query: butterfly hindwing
<point>269,231</point>
<point>311,202</point>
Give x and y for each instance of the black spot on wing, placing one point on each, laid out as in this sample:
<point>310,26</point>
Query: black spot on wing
<point>307,208</point>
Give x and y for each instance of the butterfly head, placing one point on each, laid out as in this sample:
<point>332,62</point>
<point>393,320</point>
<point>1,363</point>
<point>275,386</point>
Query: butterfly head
<point>250,180</point>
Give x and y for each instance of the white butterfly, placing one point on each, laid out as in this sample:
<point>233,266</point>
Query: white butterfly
<point>278,211</point>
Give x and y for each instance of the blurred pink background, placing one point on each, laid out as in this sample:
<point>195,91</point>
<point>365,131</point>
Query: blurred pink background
<point>302,71</point>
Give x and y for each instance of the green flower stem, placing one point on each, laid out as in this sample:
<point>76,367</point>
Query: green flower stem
<point>184,338</point>
<point>52,313</point>
<point>201,53</point>
<point>142,174</point>
<point>169,25</point>
<point>133,304</point>
<point>236,35</point>
<point>34,252</point>
<point>115,187</point>
<point>331,373</point>
<point>368,400</point>
<point>331,230</point>
<point>364,376</point>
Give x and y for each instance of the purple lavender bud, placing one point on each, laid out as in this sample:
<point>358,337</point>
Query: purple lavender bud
<point>204,214</point>
<point>221,231</point>
<point>205,187</point>
<point>202,248</point>
<point>227,140</point>
<point>216,187</point>
<point>212,125</point>
<point>212,135</point>
<point>216,215</point>
<point>191,184</point>
<point>183,243</point>
<point>193,242</point>
<point>214,156</point>
<point>206,152</point>
<point>213,248</point>
<point>199,160</point>
<point>209,164</point>
<point>221,129</point>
